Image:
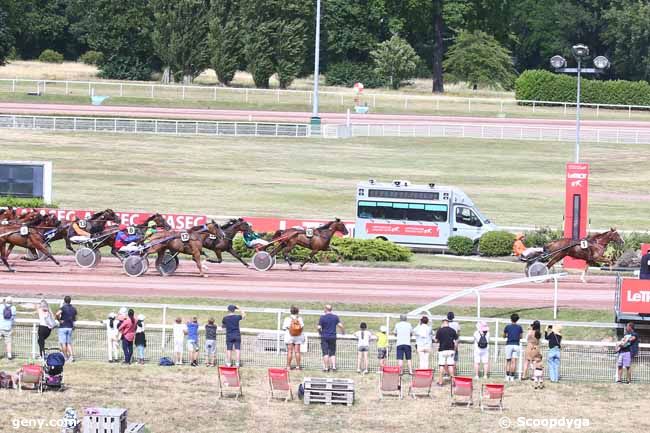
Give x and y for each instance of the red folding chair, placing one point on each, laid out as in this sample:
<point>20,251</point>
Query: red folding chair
<point>229,380</point>
<point>279,382</point>
<point>492,396</point>
<point>390,382</point>
<point>32,375</point>
<point>462,390</point>
<point>421,380</point>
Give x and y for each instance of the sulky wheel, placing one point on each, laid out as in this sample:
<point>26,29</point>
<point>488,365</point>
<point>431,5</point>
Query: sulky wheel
<point>134,266</point>
<point>263,261</point>
<point>536,269</point>
<point>87,257</point>
<point>168,265</point>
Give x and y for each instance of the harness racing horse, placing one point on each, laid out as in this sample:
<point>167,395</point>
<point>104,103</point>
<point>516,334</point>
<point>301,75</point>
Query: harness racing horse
<point>592,254</point>
<point>21,236</point>
<point>223,241</point>
<point>189,242</point>
<point>319,241</point>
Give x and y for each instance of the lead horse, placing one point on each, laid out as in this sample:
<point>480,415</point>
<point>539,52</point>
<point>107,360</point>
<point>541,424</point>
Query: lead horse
<point>17,234</point>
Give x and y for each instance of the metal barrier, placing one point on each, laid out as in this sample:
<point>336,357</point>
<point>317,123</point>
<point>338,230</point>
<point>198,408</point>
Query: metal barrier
<point>490,132</point>
<point>581,360</point>
<point>153,126</point>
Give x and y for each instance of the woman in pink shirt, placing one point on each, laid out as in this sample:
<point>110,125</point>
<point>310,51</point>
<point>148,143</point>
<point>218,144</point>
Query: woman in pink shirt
<point>127,329</point>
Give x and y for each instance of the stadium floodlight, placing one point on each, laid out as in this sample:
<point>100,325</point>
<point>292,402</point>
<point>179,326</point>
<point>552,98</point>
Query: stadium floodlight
<point>601,62</point>
<point>580,51</point>
<point>558,62</point>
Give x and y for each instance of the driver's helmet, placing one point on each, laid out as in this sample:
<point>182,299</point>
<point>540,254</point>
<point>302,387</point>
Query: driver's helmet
<point>151,224</point>
<point>122,227</point>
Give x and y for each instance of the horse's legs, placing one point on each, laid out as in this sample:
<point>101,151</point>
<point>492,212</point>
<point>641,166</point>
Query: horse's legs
<point>584,273</point>
<point>196,255</point>
<point>308,259</point>
<point>68,244</point>
<point>554,259</point>
<point>233,253</point>
<point>40,247</point>
<point>3,257</point>
<point>339,257</point>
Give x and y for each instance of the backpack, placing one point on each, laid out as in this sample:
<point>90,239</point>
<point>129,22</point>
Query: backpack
<point>482,342</point>
<point>166,362</point>
<point>6,313</point>
<point>295,329</point>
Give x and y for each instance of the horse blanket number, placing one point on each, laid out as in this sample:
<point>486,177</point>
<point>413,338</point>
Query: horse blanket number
<point>185,237</point>
<point>584,244</point>
<point>130,230</point>
<point>309,233</point>
<point>24,230</point>
<point>82,224</point>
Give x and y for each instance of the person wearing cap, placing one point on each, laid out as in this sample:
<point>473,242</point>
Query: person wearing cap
<point>382,345</point>
<point>453,324</point>
<point>66,315</point>
<point>403,332</point>
<point>481,349</point>
<point>230,323</point>
<point>112,336</point>
<point>7,321</point>
<point>140,339</point>
<point>554,338</point>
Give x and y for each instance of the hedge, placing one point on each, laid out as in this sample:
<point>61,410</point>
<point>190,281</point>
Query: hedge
<point>372,250</point>
<point>539,85</point>
<point>496,243</point>
<point>24,202</point>
<point>542,236</point>
<point>50,56</point>
<point>634,240</point>
<point>348,73</point>
<point>460,245</point>
<point>92,58</point>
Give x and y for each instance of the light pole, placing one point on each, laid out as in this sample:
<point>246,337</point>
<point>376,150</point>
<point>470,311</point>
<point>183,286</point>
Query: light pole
<point>580,53</point>
<point>315,118</point>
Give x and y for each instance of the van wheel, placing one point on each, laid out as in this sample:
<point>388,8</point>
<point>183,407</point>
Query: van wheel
<point>476,249</point>
<point>381,238</point>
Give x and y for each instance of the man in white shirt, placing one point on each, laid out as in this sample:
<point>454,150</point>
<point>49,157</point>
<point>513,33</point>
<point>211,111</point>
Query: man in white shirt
<point>403,331</point>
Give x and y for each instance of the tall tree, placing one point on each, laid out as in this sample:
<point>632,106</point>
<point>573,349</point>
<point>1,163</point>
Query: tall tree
<point>224,38</point>
<point>438,46</point>
<point>6,37</point>
<point>395,61</point>
<point>628,37</point>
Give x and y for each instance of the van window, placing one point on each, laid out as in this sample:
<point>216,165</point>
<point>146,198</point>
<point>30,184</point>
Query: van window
<point>402,211</point>
<point>467,216</point>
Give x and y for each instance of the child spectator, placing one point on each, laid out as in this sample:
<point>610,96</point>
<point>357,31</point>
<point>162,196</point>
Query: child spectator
<point>481,350</point>
<point>512,333</point>
<point>113,337</point>
<point>538,375</point>
<point>178,330</point>
<point>363,345</point>
<point>211,342</point>
<point>233,334</point>
<point>192,331</point>
<point>140,339</point>
<point>382,346</point>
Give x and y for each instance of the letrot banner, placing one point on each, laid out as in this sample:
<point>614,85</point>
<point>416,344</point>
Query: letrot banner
<point>635,296</point>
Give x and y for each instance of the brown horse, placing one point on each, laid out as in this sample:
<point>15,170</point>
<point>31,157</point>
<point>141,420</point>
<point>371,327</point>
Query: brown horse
<point>592,253</point>
<point>12,235</point>
<point>173,241</point>
<point>223,242</point>
<point>319,241</point>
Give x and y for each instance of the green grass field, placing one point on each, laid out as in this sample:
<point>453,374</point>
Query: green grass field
<point>513,183</point>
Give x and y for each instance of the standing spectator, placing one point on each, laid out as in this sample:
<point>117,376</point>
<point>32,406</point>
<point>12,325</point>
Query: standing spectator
<point>363,346</point>
<point>481,350</point>
<point>293,336</point>
<point>127,329</point>
<point>554,337</point>
<point>233,334</point>
<point>423,340</point>
<point>644,271</point>
<point>7,324</point>
<point>624,348</point>
<point>140,338</point>
<point>512,333</point>
<point>382,346</point>
<point>456,327</point>
<point>532,347</point>
<point>327,325</point>
<point>211,342</point>
<point>447,339</point>
<point>192,331</point>
<point>403,331</point>
<point>112,336</point>
<point>67,315</point>
<point>46,323</point>
<point>178,330</point>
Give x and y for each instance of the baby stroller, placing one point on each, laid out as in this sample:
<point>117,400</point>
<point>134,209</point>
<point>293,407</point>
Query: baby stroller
<point>53,370</point>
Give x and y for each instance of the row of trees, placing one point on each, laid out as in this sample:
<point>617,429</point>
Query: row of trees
<point>487,40</point>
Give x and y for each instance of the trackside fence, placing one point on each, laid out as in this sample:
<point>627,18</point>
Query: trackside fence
<point>153,126</point>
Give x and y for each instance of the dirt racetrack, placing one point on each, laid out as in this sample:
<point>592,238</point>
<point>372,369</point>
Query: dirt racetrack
<point>330,283</point>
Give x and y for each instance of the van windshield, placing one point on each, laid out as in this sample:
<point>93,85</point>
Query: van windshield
<point>402,211</point>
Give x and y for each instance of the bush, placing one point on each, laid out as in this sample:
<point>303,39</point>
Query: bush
<point>634,240</point>
<point>92,58</point>
<point>372,250</point>
<point>347,73</point>
<point>542,236</point>
<point>460,245</point>
<point>497,243</point>
<point>537,85</point>
<point>50,56</point>
<point>24,202</point>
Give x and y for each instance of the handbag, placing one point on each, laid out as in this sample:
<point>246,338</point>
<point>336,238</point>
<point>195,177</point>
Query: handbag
<point>50,322</point>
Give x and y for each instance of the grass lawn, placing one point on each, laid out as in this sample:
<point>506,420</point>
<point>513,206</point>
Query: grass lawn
<point>183,399</point>
<point>512,183</point>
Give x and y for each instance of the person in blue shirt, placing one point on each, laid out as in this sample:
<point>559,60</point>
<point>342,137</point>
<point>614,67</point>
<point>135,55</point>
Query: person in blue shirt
<point>192,331</point>
<point>233,334</point>
<point>512,333</point>
<point>327,325</point>
<point>123,240</point>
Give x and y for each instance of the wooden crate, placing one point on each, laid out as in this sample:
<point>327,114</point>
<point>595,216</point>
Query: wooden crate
<point>104,420</point>
<point>329,391</point>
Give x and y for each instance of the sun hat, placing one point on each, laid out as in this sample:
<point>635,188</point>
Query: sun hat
<point>123,311</point>
<point>482,326</point>
<point>9,300</point>
<point>140,316</point>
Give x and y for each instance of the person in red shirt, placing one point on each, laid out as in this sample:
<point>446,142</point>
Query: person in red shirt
<point>127,329</point>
